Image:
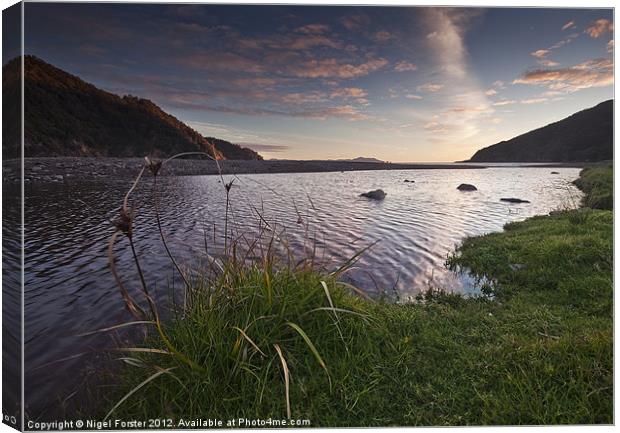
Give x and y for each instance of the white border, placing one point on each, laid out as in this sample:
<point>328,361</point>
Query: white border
<point>475,3</point>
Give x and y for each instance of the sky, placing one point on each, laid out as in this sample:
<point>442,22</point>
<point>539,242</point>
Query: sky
<point>402,84</point>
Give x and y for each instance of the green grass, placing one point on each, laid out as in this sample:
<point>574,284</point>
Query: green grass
<point>537,350</point>
<point>597,184</point>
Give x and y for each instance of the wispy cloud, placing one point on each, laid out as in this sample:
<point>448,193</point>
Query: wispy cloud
<point>435,126</point>
<point>592,73</point>
<point>600,27</point>
<point>355,22</point>
<point>382,36</point>
<point>335,68</point>
<point>549,63</point>
<point>539,54</point>
<point>463,104</point>
<point>610,46</point>
<point>504,102</point>
<point>533,101</point>
<point>568,25</point>
<point>316,28</point>
<point>413,96</point>
<point>349,92</point>
<point>404,66</point>
<point>430,87</point>
<point>565,41</point>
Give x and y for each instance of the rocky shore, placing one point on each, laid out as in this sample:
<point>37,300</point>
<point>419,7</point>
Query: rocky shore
<point>73,168</point>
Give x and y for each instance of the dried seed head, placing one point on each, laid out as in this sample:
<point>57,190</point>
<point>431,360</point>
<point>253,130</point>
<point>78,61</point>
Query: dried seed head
<point>153,164</point>
<point>124,222</point>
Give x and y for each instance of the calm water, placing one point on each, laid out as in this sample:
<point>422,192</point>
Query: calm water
<point>69,289</point>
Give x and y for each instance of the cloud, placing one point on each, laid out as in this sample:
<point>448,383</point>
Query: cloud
<point>446,29</point>
<point>549,63</point>
<point>565,41</point>
<point>412,96</point>
<point>491,92</point>
<point>504,102</point>
<point>568,25</point>
<point>348,112</point>
<point>301,39</point>
<point>429,87</point>
<point>592,73</point>
<point>539,54</point>
<point>382,36</point>
<point>533,101</point>
<point>223,61</point>
<point>302,98</point>
<point>354,22</point>
<point>404,66</point>
<point>334,68</point>
<point>349,92</point>
<point>434,126</point>
<point>309,41</point>
<point>610,46</point>
<point>313,29</point>
<point>599,28</point>
<point>255,82</point>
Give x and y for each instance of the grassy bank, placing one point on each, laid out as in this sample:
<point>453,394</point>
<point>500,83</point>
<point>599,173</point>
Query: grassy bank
<point>598,185</point>
<point>261,341</point>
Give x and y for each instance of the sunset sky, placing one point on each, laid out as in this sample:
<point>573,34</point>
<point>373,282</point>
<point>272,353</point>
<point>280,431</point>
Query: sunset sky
<point>399,84</point>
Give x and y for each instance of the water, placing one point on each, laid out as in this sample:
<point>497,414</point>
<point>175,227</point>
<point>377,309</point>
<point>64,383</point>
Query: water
<point>69,289</point>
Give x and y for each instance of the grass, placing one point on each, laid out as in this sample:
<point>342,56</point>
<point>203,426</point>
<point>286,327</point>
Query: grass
<point>269,340</point>
<point>597,184</point>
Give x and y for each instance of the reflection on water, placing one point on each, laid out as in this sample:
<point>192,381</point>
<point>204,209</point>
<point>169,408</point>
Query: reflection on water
<point>69,289</point>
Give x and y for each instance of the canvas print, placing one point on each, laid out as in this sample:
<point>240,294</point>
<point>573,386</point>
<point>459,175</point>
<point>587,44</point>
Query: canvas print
<point>238,216</point>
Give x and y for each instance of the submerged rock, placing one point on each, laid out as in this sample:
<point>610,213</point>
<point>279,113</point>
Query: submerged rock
<point>513,200</point>
<point>466,187</point>
<point>555,172</point>
<point>377,194</point>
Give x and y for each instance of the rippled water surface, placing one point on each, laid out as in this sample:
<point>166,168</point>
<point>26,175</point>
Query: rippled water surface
<point>69,289</point>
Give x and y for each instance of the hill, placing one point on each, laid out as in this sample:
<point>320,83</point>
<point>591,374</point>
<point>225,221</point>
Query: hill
<point>363,159</point>
<point>66,116</point>
<point>584,136</point>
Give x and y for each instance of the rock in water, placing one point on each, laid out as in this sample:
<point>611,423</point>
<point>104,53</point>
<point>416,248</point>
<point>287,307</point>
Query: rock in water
<point>513,200</point>
<point>409,181</point>
<point>555,172</point>
<point>377,194</point>
<point>466,187</point>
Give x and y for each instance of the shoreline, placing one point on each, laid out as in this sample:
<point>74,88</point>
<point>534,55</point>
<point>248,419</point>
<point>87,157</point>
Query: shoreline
<point>57,169</point>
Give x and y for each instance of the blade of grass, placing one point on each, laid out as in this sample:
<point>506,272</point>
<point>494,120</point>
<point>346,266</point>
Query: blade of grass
<point>242,332</point>
<point>352,260</point>
<point>309,343</point>
<point>333,309</point>
<point>122,325</point>
<point>340,310</point>
<point>286,380</point>
<point>140,385</point>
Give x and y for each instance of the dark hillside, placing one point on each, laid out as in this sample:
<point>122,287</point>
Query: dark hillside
<point>584,136</point>
<point>65,116</point>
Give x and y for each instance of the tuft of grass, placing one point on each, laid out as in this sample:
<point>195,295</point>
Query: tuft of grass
<point>274,340</point>
<point>597,184</point>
